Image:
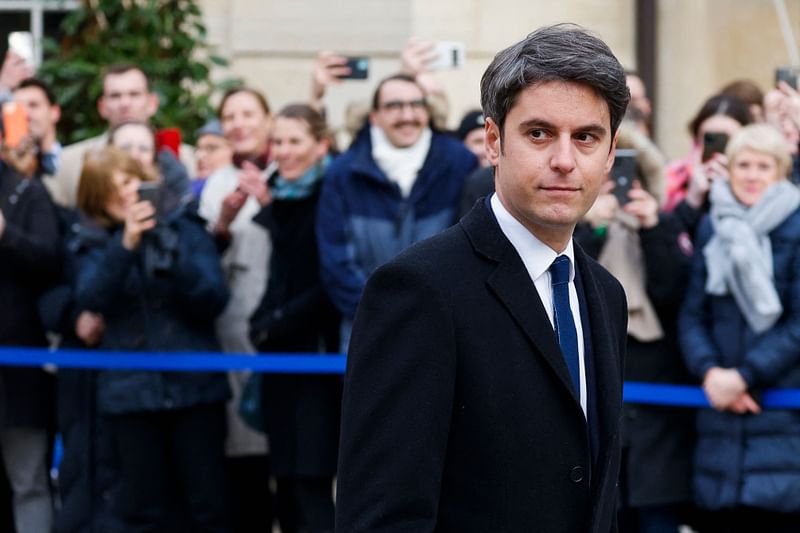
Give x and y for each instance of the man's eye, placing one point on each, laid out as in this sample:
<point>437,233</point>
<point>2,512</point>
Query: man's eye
<point>585,137</point>
<point>537,134</point>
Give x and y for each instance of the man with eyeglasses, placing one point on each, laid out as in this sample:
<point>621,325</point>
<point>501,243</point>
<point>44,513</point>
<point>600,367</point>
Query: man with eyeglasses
<point>398,183</point>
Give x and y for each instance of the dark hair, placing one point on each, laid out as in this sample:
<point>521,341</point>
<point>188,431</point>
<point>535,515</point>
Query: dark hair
<point>316,122</point>
<point>146,125</point>
<point>745,90</point>
<point>564,52</point>
<point>721,104</point>
<point>262,100</point>
<point>121,68</point>
<point>39,84</point>
<point>376,96</point>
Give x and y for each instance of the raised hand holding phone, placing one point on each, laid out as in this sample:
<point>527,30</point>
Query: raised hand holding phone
<point>140,217</point>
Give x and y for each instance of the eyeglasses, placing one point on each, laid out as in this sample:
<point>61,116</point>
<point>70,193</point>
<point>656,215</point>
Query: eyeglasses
<point>395,106</point>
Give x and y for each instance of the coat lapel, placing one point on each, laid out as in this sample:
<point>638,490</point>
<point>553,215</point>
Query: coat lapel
<point>512,285</point>
<point>605,344</point>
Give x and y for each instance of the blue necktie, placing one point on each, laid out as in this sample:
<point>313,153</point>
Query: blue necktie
<point>564,323</point>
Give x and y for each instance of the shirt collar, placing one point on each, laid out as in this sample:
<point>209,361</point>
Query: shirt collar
<point>536,255</point>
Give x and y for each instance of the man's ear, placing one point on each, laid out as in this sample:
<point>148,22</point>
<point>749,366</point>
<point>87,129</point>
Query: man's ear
<point>101,108</point>
<point>55,113</point>
<point>611,153</point>
<point>493,143</point>
<point>152,104</point>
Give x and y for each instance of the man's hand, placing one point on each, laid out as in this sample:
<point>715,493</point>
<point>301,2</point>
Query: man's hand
<point>90,328</point>
<point>327,71</point>
<point>2,224</point>
<point>643,206</point>
<point>790,105</point>
<point>139,218</point>
<point>252,184</point>
<point>416,55</point>
<point>14,70</point>
<point>724,388</point>
<point>604,208</point>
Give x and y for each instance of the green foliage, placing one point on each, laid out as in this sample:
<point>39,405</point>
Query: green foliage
<point>165,38</point>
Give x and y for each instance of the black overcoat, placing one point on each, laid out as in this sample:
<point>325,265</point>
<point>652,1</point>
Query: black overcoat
<point>29,263</point>
<point>295,315</point>
<point>458,412</point>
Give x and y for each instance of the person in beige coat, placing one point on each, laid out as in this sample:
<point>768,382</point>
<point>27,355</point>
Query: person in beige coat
<point>126,98</point>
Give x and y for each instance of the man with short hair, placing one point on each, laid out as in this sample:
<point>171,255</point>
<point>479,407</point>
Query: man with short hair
<point>398,183</point>
<point>43,114</point>
<point>126,97</point>
<point>484,377</point>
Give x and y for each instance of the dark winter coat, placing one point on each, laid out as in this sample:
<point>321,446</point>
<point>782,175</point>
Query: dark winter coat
<point>301,412</point>
<point>749,460</point>
<point>29,262</point>
<point>162,296</point>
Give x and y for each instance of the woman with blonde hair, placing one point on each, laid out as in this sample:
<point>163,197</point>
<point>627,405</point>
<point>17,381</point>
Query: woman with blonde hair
<point>740,333</point>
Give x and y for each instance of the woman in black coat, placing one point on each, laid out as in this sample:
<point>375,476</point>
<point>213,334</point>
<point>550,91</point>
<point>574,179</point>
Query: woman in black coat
<point>301,413</point>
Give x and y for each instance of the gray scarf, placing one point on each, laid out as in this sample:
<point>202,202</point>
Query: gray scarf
<point>739,255</point>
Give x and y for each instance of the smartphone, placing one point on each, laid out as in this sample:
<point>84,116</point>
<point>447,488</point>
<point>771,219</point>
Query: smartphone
<point>359,68</point>
<point>623,174</point>
<point>169,138</point>
<point>713,143</point>
<point>787,74</point>
<point>15,124</point>
<point>149,191</point>
<point>21,43</point>
<point>450,55</point>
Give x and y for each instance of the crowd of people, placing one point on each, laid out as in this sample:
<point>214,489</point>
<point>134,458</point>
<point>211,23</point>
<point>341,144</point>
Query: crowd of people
<point>261,237</point>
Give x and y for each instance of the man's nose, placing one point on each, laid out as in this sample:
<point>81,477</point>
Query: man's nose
<point>563,156</point>
<point>407,113</point>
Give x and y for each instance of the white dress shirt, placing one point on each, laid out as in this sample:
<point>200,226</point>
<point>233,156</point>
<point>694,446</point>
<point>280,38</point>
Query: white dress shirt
<point>537,258</point>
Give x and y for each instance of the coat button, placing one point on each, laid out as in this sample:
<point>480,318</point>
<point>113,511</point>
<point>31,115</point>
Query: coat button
<point>576,474</point>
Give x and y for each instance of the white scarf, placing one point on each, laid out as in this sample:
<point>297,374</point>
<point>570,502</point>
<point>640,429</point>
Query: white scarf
<point>400,165</point>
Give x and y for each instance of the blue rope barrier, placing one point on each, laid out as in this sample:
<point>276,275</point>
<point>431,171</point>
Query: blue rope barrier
<point>174,361</point>
<point>292,363</point>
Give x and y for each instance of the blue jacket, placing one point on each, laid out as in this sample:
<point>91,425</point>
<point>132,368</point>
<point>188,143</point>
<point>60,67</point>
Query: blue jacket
<point>748,460</point>
<point>364,220</point>
<point>163,296</point>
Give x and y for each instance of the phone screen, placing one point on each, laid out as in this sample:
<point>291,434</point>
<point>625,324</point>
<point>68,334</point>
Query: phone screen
<point>359,68</point>
<point>21,43</point>
<point>623,174</point>
<point>714,143</point>
<point>149,192</point>
<point>450,55</point>
<point>787,74</point>
<point>15,124</point>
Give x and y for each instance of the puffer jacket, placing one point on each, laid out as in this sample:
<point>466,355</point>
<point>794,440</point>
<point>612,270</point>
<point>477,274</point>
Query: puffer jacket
<point>163,296</point>
<point>750,460</point>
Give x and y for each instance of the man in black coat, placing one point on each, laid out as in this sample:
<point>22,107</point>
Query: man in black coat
<point>29,262</point>
<point>484,380</point>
